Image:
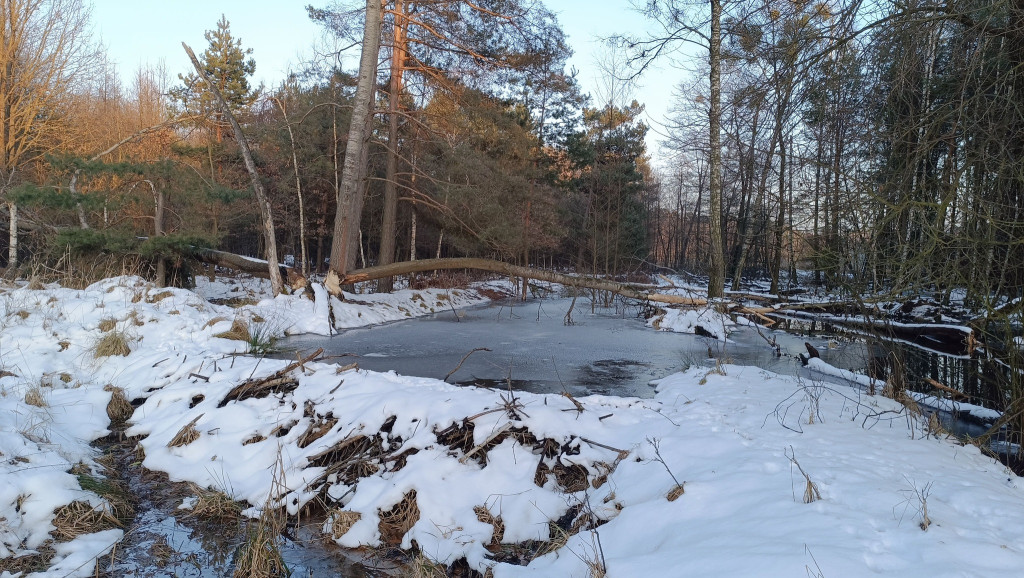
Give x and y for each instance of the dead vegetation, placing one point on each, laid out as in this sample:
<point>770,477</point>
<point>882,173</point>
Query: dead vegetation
<point>239,330</point>
<point>398,520</point>
<point>111,344</point>
<point>34,397</point>
<point>278,382</point>
<point>214,506</point>
<point>119,409</point>
<point>79,517</point>
<point>186,435</point>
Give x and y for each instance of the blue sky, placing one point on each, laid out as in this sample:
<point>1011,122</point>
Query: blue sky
<point>280,34</point>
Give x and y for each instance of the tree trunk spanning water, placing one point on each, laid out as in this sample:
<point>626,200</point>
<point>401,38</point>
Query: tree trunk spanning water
<point>334,282</point>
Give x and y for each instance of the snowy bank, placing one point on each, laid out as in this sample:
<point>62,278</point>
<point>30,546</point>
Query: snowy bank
<point>727,471</point>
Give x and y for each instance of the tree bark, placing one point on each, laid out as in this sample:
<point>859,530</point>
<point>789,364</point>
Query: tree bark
<point>716,279</point>
<point>350,194</point>
<point>389,230</point>
<point>276,282</point>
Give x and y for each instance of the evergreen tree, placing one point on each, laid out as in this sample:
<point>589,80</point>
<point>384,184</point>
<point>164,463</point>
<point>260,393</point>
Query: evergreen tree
<point>224,61</point>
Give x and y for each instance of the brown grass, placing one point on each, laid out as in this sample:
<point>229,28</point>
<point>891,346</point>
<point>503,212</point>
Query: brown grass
<point>485,516</point>
<point>35,397</point>
<point>239,331</point>
<point>342,521</point>
<point>423,567</point>
<point>160,296</point>
<point>214,321</point>
<point>395,522</point>
<point>24,565</point>
<point>111,344</point>
<point>119,409</point>
<point>186,435</point>
<point>254,439</point>
<point>107,324</point>
<point>214,506</point>
<point>23,314</point>
<point>259,556</point>
<point>78,518</point>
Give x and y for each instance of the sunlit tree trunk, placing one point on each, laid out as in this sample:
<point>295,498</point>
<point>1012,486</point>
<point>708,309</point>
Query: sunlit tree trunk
<point>389,230</point>
<point>345,244</point>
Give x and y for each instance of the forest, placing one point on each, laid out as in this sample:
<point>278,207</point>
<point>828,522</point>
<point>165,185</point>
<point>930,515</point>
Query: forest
<point>875,147</point>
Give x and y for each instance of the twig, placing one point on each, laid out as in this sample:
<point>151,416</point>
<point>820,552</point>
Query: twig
<point>464,358</point>
<point>579,406</point>
<point>622,453</point>
<point>501,430</point>
<point>945,388</point>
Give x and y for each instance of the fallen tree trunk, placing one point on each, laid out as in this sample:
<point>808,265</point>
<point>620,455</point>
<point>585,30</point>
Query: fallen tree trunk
<point>255,267</point>
<point>334,282</point>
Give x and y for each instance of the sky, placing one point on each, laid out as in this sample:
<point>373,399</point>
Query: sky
<point>147,32</point>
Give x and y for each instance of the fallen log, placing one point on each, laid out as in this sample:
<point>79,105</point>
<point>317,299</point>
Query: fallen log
<point>255,267</point>
<point>335,281</point>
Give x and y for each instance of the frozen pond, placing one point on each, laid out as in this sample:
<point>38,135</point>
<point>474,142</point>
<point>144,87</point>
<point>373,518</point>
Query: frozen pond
<point>608,351</point>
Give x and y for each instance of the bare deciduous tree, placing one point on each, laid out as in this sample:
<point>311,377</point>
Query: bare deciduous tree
<point>45,50</point>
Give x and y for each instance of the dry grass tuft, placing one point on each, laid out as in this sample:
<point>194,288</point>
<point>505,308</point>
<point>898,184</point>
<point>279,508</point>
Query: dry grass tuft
<point>113,343</point>
<point>35,284</point>
<point>675,492</point>
<point>23,314</point>
<point>423,567</point>
<point>65,377</point>
<point>239,331</point>
<point>26,565</point>
<point>107,324</point>
<point>259,556</point>
<point>395,522</point>
<point>214,321</point>
<point>78,518</point>
<point>485,516</point>
<point>64,344</point>
<point>186,435</point>
<point>119,409</point>
<point>254,439</point>
<point>5,373</point>
<point>35,397</point>
<point>214,506</point>
<point>342,521</point>
<point>160,296</point>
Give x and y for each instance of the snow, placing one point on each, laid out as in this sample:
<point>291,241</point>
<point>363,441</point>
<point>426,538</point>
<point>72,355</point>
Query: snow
<point>710,321</point>
<point>736,437</point>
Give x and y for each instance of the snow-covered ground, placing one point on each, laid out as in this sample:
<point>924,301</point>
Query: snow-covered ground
<point>728,471</point>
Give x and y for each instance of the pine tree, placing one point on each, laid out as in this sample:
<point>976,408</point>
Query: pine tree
<point>224,61</point>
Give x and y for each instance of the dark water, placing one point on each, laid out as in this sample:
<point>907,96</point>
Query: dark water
<point>162,540</point>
